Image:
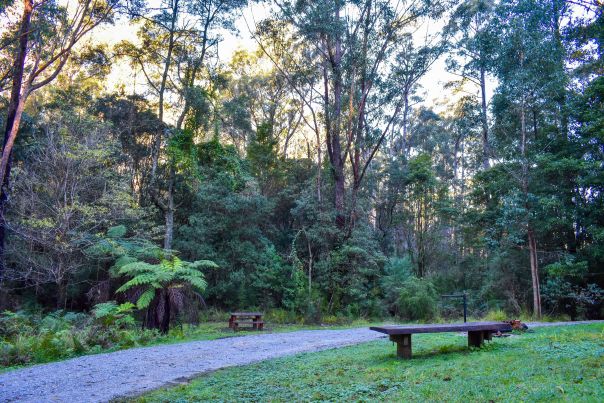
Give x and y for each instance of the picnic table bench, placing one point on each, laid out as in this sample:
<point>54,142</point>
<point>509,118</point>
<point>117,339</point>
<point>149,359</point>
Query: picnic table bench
<point>246,318</point>
<point>477,333</point>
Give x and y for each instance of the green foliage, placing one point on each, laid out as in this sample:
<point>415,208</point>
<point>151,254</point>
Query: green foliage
<point>112,314</point>
<point>247,173</point>
<point>396,273</point>
<point>27,338</point>
<point>417,300</point>
<point>168,273</point>
<point>117,232</point>
<point>567,269</point>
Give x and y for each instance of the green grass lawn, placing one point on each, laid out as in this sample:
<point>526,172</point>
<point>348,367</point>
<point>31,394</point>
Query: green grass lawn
<point>556,363</point>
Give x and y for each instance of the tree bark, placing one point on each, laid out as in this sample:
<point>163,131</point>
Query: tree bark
<point>532,243</point>
<point>485,124</point>
<point>170,210</point>
<point>161,91</point>
<point>534,273</point>
<point>165,321</point>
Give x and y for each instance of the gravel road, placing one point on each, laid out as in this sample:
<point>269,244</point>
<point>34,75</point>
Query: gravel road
<point>102,377</point>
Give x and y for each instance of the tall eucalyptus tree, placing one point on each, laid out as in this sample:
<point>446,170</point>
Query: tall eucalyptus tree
<point>175,51</point>
<point>350,47</point>
<point>472,53</point>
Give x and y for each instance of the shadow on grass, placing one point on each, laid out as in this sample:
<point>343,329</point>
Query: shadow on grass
<point>436,352</point>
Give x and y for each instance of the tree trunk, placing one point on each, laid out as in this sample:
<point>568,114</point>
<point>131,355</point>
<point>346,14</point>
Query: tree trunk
<point>406,143</point>
<point>534,273</point>
<point>165,321</point>
<point>485,124</point>
<point>532,243</point>
<point>170,209</point>
<point>162,88</point>
<point>61,294</point>
<point>13,119</point>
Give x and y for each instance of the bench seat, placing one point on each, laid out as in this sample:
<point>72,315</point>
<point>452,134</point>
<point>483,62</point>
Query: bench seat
<point>477,333</point>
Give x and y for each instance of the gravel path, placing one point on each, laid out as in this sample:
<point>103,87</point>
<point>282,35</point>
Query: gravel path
<point>101,377</point>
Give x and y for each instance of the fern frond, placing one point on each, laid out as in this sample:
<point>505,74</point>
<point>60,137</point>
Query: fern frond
<point>198,282</point>
<point>145,299</point>
<point>136,267</point>
<point>203,264</point>
<point>119,263</point>
<point>186,271</point>
<point>103,309</point>
<point>141,279</point>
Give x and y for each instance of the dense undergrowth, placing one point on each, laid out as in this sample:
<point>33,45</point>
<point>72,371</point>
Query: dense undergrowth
<point>549,364</point>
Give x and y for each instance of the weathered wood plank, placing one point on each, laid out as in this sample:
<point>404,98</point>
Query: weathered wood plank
<point>443,328</point>
<point>475,338</point>
<point>403,345</point>
<point>247,313</point>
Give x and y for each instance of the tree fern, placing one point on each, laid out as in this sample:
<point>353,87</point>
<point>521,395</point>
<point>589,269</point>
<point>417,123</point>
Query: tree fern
<point>159,282</point>
<point>153,278</point>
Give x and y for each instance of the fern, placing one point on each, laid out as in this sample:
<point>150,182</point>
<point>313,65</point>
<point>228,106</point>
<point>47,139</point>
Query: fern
<point>141,279</point>
<point>109,313</point>
<point>145,299</point>
<point>196,282</point>
<point>203,264</point>
<point>148,270</point>
<point>116,232</point>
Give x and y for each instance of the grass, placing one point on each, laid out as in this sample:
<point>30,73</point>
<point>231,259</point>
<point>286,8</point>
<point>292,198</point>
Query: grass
<point>549,364</point>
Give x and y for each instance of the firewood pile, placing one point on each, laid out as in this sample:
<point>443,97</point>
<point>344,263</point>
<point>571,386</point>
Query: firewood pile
<point>516,325</point>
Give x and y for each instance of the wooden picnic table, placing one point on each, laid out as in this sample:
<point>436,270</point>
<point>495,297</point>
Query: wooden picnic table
<point>246,318</point>
<point>477,333</point>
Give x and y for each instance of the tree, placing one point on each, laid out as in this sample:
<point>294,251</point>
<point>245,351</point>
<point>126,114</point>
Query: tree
<point>474,45</point>
<point>530,68</point>
<point>40,46</point>
<point>174,53</point>
<point>63,195</point>
<point>162,287</point>
<point>352,61</point>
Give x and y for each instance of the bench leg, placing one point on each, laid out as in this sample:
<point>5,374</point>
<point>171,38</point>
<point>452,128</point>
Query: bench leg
<point>475,339</point>
<point>403,345</point>
<point>487,335</point>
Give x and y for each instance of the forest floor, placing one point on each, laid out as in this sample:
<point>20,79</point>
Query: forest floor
<point>132,372</point>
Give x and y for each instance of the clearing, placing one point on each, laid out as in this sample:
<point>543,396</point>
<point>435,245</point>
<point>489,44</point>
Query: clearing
<point>135,371</point>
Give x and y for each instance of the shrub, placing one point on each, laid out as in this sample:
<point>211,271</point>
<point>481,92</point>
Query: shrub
<point>27,338</point>
<point>417,299</point>
<point>496,315</point>
<point>280,316</point>
<point>110,314</point>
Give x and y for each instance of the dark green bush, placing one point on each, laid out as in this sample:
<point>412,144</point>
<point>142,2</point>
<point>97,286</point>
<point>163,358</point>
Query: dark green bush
<point>27,338</point>
<point>417,299</point>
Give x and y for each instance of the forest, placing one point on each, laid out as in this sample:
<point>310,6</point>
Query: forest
<point>152,171</point>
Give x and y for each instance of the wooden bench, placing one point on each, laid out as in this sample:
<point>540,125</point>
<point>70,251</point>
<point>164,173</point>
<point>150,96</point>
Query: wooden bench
<point>246,318</point>
<point>478,332</point>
